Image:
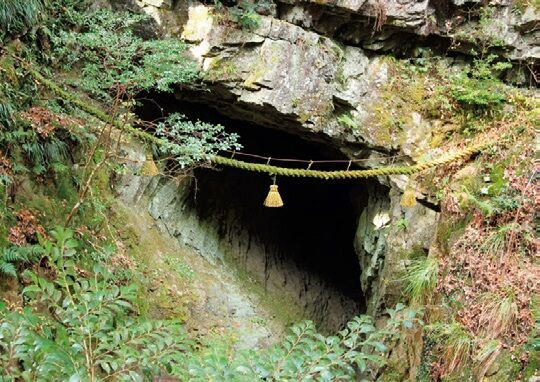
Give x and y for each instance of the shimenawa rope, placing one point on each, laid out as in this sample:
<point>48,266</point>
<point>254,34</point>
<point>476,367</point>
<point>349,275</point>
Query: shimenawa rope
<point>259,167</point>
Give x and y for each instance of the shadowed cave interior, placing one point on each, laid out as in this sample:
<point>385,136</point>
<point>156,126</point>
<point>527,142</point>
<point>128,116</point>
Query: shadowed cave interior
<point>304,250</point>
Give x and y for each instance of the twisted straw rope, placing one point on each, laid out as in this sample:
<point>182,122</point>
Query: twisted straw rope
<point>351,174</point>
<point>259,167</point>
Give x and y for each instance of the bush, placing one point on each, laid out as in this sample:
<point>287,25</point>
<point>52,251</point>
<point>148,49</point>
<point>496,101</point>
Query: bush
<point>91,329</point>
<point>113,61</point>
<point>478,89</point>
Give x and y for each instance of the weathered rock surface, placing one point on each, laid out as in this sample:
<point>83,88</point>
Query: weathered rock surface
<point>214,301</point>
<point>289,74</point>
<point>221,236</point>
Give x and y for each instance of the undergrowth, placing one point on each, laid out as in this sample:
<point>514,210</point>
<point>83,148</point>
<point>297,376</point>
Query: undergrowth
<point>80,317</point>
<point>77,312</point>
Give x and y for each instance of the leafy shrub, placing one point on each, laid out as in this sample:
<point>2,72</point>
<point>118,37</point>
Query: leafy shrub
<point>246,17</point>
<point>304,354</point>
<point>479,89</point>
<point>113,59</point>
<point>190,142</point>
<point>89,330</point>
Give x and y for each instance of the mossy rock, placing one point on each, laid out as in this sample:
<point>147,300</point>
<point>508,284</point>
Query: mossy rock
<point>504,369</point>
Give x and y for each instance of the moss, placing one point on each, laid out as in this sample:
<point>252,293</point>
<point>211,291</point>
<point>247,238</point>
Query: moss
<point>506,368</point>
<point>164,292</point>
<point>303,116</point>
<point>449,230</point>
<point>221,70</point>
<point>7,68</point>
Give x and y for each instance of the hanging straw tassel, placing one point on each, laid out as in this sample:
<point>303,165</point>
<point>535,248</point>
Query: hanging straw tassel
<point>149,167</point>
<point>408,199</point>
<point>273,199</point>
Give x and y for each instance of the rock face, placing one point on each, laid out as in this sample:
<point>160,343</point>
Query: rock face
<point>290,73</point>
<point>230,227</point>
<point>315,69</point>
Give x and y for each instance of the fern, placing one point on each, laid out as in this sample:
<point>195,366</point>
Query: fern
<point>44,154</point>
<point>14,255</point>
<point>7,269</point>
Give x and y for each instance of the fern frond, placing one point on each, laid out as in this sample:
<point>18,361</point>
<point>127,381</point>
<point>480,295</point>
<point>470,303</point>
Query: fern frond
<point>7,269</point>
<point>13,255</point>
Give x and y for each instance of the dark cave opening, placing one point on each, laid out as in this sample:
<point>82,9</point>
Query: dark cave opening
<point>309,242</point>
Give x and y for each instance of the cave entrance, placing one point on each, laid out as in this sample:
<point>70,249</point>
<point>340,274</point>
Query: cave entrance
<point>305,250</point>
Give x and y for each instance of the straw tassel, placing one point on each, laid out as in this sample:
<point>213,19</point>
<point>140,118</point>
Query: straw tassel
<point>408,199</point>
<point>149,167</point>
<point>273,199</point>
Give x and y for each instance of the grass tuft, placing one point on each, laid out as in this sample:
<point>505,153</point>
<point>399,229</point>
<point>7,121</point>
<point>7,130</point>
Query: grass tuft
<point>17,15</point>
<point>457,346</point>
<point>499,314</point>
<point>421,278</point>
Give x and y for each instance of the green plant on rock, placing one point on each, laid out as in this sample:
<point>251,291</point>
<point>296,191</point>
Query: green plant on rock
<point>421,278</point>
<point>478,89</point>
<point>347,121</point>
<point>246,16</point>
<point>112,60</point>
<point>402,224</point>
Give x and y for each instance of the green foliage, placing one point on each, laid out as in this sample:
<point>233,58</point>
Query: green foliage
<point>16,16</point>
<point>7,118</point>
<point>348,121</point>
<point>304,354</point>
<point>189,142</point>
<point>402,224</point>
<point>46,154</point>
<point>111,58</point>
<point>90,328</point>
<point>421,278</point>
<point>179,267</point>
<point>478,89</point>
<point>14,255</point>
<point>91,332</point>
<point>506,200</point>
<point>245,16</point>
